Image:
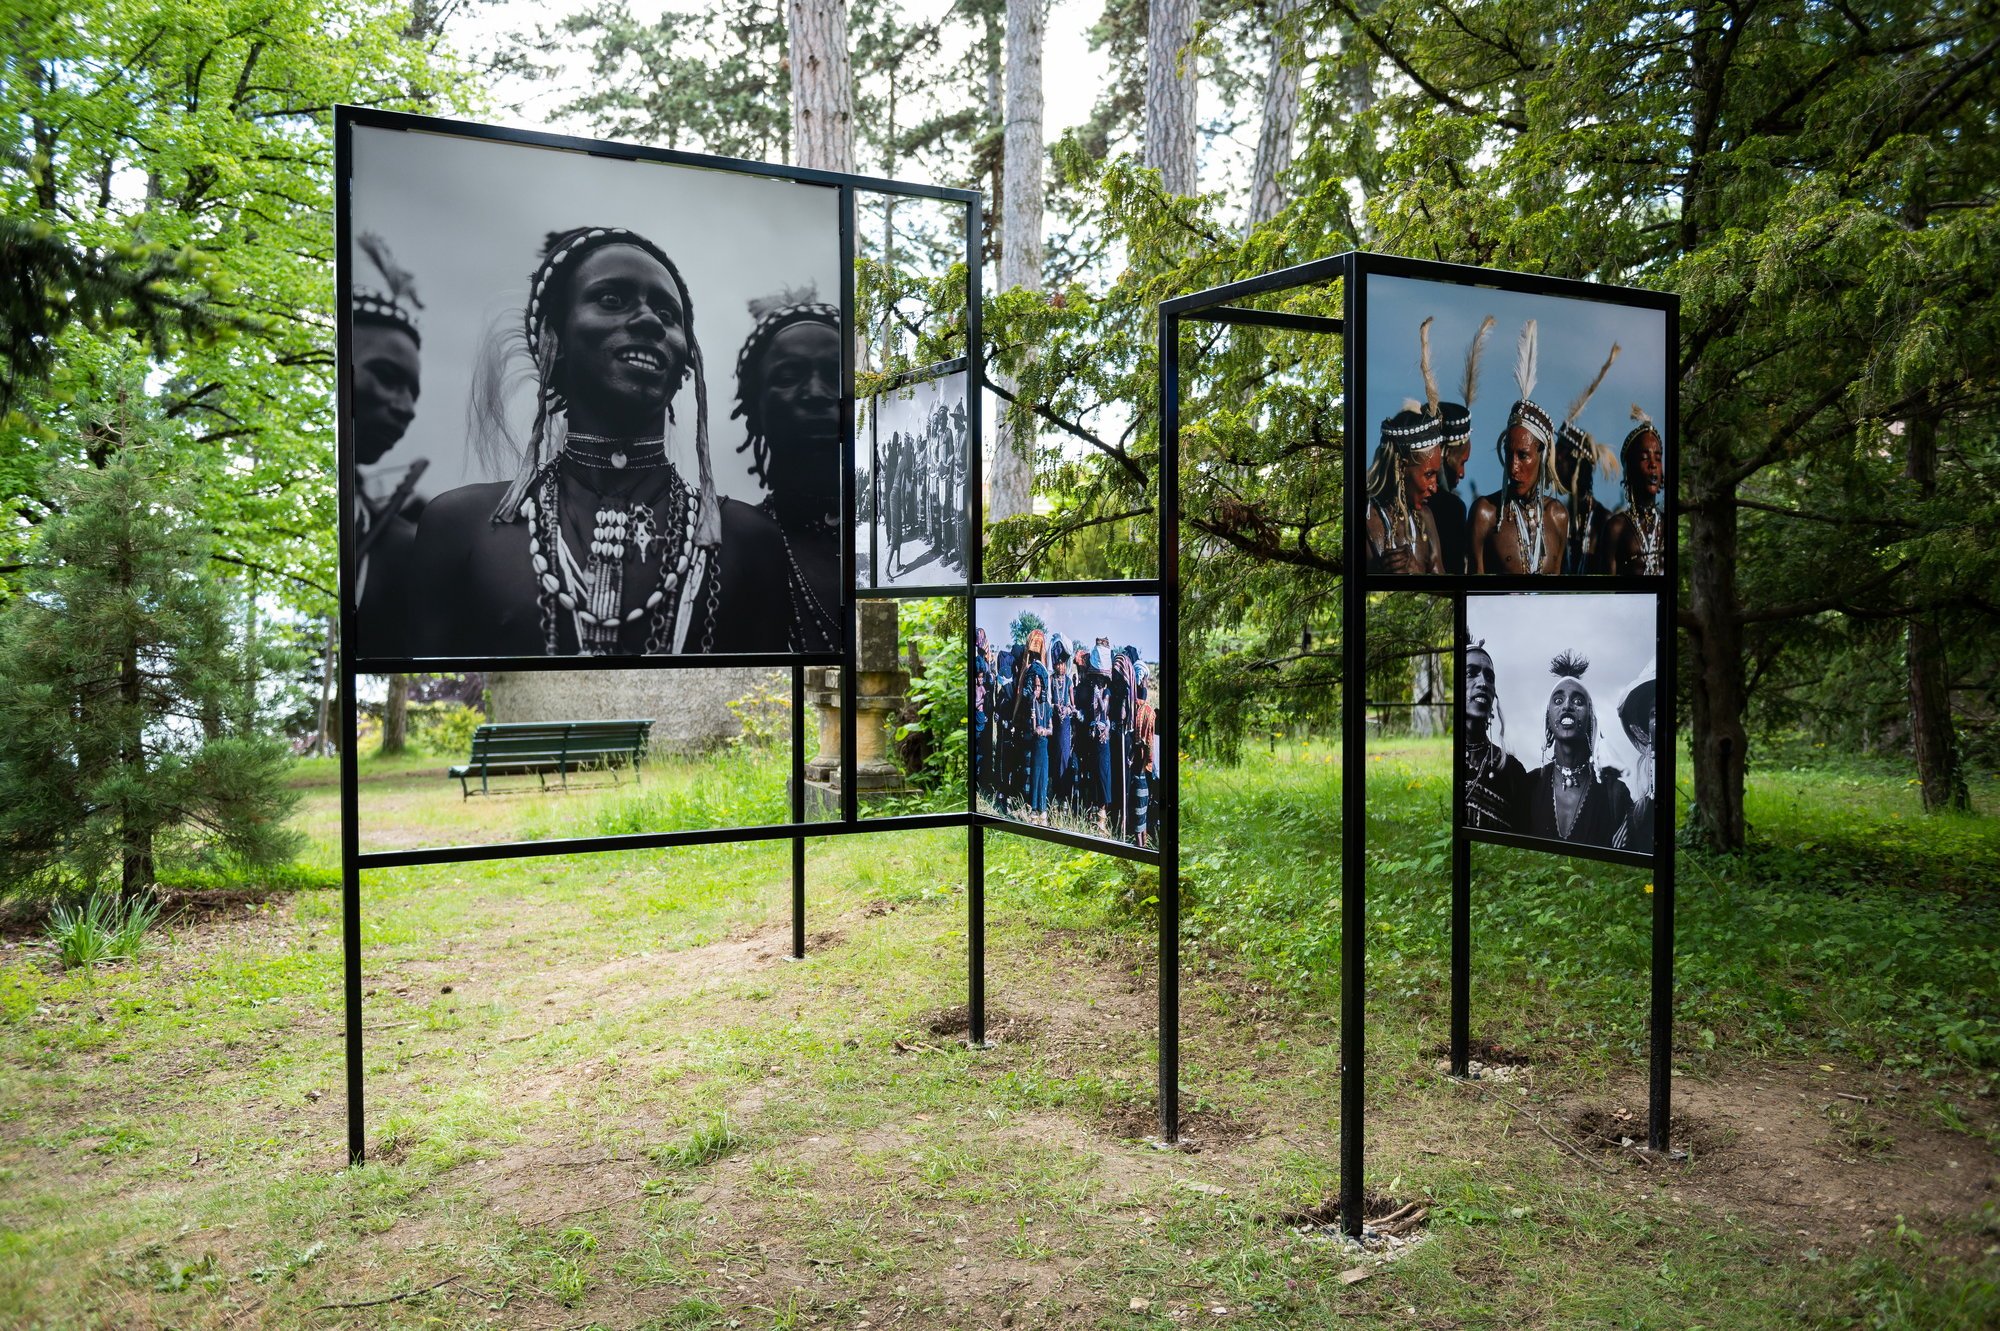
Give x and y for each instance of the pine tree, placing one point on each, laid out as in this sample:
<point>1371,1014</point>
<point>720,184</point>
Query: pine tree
<point>122,712</point>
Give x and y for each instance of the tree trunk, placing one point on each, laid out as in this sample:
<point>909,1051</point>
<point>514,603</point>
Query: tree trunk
<point>1170,93</point>
<point>1281,113</point>
<point>1010,474</point>
<point>1932,735</point>
<point>396,717</point>
<point>1427,715</point>
<point>822,85</point>
<point>323,742</point>
<point>1720,693</point>
<point>995,45</point>
<point>135,828</point>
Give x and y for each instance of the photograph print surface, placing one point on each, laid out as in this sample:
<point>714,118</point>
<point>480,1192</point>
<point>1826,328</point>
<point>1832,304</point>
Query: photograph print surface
<point>594,403</point>
<point>1558,705</point>
<point>1066,698</point>
<point>915,535</point>
<point>1513,433</point>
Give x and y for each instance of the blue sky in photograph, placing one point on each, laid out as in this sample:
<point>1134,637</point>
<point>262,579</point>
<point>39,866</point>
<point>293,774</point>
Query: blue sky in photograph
<point>1126,620</point>
<point>1574,337</point>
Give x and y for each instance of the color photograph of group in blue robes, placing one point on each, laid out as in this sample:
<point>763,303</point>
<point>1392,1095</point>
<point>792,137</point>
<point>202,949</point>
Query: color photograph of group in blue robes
<point>1065,699</point>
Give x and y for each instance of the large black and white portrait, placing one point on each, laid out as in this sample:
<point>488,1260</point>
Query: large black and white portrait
<point>1066,698</point>
<point>912,529</point>
<point>1561,718</point>
<point>1513,432</point>
<point>595,403</point>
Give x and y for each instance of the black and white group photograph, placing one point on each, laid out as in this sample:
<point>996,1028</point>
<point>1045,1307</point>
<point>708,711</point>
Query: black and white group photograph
<point>595,404</point>
<point>912,515</point>
<point>1560,717</point>
<point>1066,692</point>
<point>1513,433</point>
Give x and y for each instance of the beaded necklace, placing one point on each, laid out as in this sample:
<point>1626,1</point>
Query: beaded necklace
<point>1531,543</point>
<point>1555,807</point>
<point>807,608</point>
<point>592,591</point>
<point>1647,522</point>
<point>1419,538</point>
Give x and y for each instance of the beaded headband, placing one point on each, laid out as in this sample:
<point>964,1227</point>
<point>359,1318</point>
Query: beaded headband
<point>1532,419</point>
<point>1454,423</point>
<point>1639,431</point>
<point>574,246</point>
<point>1411,432</point>
<point>392,302</point>
<point>1525,413</point>
<point>769,326</point>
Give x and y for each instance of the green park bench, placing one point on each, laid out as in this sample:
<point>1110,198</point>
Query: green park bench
<point>541,747</point>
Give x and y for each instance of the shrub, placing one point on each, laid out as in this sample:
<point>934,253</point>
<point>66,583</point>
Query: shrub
<point>443,729</point>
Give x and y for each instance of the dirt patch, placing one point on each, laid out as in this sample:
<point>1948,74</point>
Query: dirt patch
<point>1619,1129</point>
<point>1375,1208</point>
<point>1487,1052</point>
<point>1201,1129</point>
<point>182,908</point>
<point>1831,1156</point>
<point>955,1023</point>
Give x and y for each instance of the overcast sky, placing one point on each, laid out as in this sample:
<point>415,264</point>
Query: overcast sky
<point>1071,75</point>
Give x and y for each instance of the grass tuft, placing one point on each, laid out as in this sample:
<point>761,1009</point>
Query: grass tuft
<point>103,928</point>
<point>705,1145</point>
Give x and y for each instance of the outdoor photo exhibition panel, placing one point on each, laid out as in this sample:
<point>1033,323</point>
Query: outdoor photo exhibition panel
<point>1558,711</point>
<point>1523,428</point>
<point>912,519</point>
<point>1509,446</point>
<point>596,411</point>
<point>596,403</point>
<point>1066,697</point>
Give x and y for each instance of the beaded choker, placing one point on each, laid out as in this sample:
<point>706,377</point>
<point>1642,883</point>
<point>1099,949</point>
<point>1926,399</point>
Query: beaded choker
<point>597,450</point>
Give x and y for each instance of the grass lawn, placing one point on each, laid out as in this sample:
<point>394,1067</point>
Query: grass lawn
<point>601,1097</point>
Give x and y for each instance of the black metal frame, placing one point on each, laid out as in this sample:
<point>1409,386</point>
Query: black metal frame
<point>354,861</point>
<point>1221,305</point>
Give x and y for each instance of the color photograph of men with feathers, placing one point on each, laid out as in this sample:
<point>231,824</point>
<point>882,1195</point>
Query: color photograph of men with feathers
<point>1500,480</point>
<point>1558,708</point>
<point>594,405</point>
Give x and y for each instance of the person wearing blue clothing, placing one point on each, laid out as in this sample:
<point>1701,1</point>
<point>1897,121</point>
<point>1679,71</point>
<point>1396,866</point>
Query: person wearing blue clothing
<point>1042,715</point>
<point>1062,705</point>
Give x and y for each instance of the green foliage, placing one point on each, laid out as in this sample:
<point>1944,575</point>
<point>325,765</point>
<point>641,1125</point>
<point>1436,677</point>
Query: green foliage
<point>122,711</point>
<point>443,729</point>
<point>124,287</point>
<point>1024,623</point>
<point>765,713</point>
<point>169,171</point>
<point>103,927</point>
<point>714,80</point>
<point>936,628</point>
<point>731,787</point>
<point>221,873</point>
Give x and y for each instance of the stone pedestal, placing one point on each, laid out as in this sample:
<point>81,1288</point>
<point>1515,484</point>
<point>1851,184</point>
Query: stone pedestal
<point>881,687</point>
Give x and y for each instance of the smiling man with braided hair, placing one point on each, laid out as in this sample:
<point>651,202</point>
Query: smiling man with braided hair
<point>610,539</point>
